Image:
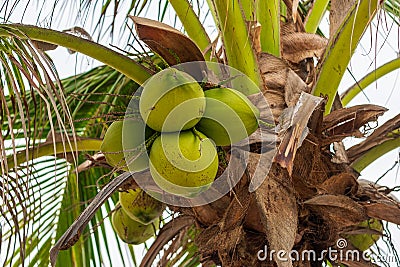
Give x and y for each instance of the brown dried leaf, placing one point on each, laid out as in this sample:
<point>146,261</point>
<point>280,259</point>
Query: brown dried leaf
<point>345,116</point>
<point>276,102</point>
<point>236,211</point>
<point>211,213</point>
<point>384,210</point>
<point>264,136</point>
<point>380,135</point>
<point>167,233</point>
<point>293,88</point>
<point>287,27</point>
<point>259,101</point>
<point>341,184</point>
<point>306,71</point>
<point>346,122</point>
<point>307,168</point>
<point>340,211</point>
<point>44,46</point>
<point>298,46</point>
<point>274,74</point>
<point>273,71</point>
<point>337,14</point>
<point>213,239</point>
<point>254,30</point>
<point>293,129</point>
<point>173,46</point>
<point>371,192</point>
<point>295,5</point>
<point>277,206</point>
<point>294,15</point>
<point>340,153</point>
<point>357,230</point>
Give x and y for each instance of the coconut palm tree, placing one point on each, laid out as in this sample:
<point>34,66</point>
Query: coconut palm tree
<point>58,191</point>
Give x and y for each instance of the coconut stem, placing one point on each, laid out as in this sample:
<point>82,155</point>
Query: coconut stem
<point>197,133</point>
<point>267,124</point>
<point>151,139</point>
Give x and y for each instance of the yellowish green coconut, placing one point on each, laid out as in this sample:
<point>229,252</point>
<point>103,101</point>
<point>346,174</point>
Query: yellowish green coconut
<point>168,90</point>
<point>229,116</point>
<point>131,231</point>
<point>184,163</point>
<point>140,206</point>
<point>130,153</point>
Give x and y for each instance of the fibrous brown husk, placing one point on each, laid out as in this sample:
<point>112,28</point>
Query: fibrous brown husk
<point>299,46</point>
<point>340,210</point>
<point>276,203</point>
<point>341,184</point>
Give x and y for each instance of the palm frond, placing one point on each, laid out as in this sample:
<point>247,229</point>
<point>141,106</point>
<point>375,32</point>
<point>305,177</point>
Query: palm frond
<point>42,195</point>
<point>32,198</point>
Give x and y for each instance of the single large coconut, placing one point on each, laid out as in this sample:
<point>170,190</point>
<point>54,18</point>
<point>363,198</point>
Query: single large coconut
<point>184,163</point>
<point>140,206</point>
<point>229,116</point>
<point>170,90</point>
<point>131,231</point>
<point>123,145</point>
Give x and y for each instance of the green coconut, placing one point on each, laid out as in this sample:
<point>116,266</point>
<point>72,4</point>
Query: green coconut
<point>229,116</point>
<point>131,231</point>
<point>140,206</point>
<point>184,163</point>
<point>123,142</point>
<point>175,94</point>
<point>365,241</point>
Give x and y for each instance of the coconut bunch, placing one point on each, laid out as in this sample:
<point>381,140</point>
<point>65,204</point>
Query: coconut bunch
<point>179,127</point>
<point>176,135</point>
<point>183,159</point>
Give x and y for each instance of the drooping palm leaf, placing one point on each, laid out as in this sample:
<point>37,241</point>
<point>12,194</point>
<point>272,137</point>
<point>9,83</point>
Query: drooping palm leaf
<point>94,98</point>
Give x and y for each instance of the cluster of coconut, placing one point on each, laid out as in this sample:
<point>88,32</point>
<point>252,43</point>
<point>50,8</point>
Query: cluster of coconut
<point>176,136</point>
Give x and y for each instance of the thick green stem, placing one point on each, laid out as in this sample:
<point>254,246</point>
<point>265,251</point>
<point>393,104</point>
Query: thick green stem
<point>192,25</point>
<point>51,149</point>
<point>340,49</point>
<point>268,14</point>
<point>371,77</point>
<point>237,44</point>
<point>373,154</point>
<point>119,62</point>
<point>315,15</point>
